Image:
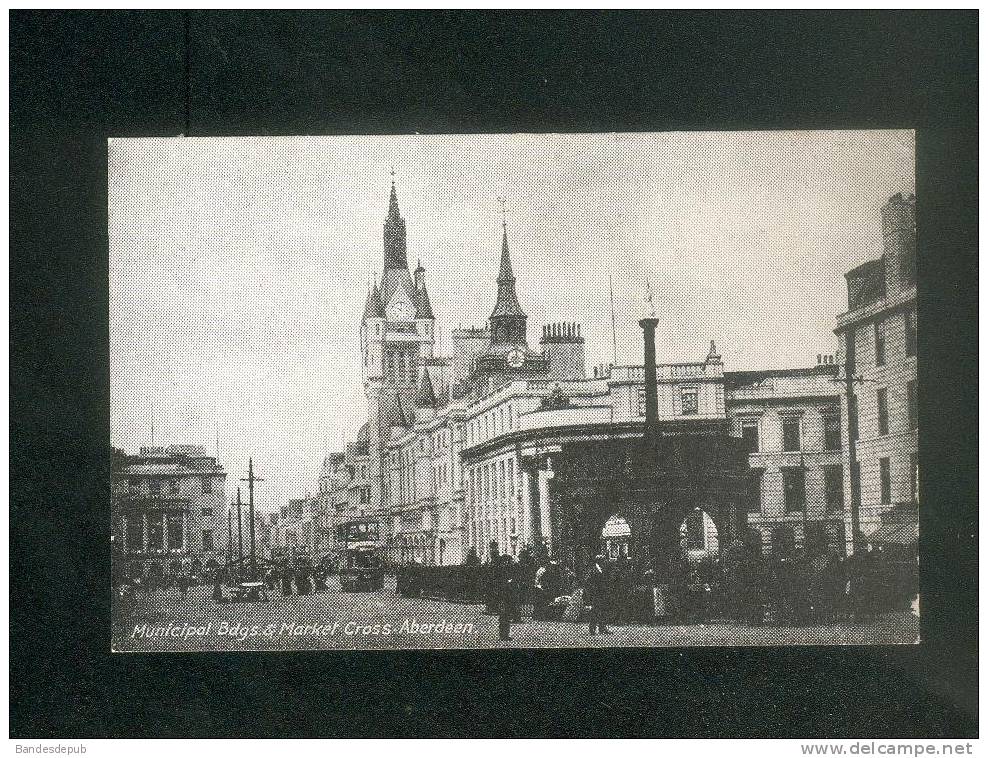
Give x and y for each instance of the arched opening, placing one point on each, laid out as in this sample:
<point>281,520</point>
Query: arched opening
<point>615,538</point>
<point>699,540</point>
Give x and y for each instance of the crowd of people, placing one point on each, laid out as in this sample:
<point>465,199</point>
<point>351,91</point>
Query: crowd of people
<point>740,585</point>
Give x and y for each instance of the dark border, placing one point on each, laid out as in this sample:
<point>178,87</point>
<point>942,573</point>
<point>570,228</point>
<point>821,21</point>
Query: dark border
<point>78,77</point>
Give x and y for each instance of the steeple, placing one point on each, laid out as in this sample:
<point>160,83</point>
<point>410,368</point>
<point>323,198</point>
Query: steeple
<point>423,308</point>
<point>395,250</point>
<point>508,320</point>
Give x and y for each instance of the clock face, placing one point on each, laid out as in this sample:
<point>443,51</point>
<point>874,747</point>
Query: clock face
<point>516,359</point>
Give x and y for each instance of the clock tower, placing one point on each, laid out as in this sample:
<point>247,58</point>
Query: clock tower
<point>508,355</point>
<point>397,334</point>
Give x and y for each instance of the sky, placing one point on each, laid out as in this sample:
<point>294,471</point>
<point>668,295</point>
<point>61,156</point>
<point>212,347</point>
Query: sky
<point>239,266</point>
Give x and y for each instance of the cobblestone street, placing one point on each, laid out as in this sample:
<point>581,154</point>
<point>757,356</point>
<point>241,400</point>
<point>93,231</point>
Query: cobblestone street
<point>335,620</point>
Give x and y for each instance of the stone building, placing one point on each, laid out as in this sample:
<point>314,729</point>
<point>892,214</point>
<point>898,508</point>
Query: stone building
<point>168,506</point>
<point>501,446</point>
<point>880,410</point>
<point>791,425</point>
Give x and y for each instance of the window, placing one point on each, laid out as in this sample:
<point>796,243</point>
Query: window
<point>794,487</point>
<point>914,476</point>
<point>879,343</point>
<point>156,531</point>
<point>913,408</point>
<point>754,493</point>
<point>831,431</point>
<point>207,485</point>
<point>207,512</point>
<point>134,484</point>
<point>883,410</point>
<point>154,485</point>
<point>173,486</point>
<point>790,434</point>
<point>207,539</point>
<point>749,433</point>
<point>910,319</point>
<point>641,401</point>
<point>885,480</point>
<point>690,401</point>
<point>833,482</point>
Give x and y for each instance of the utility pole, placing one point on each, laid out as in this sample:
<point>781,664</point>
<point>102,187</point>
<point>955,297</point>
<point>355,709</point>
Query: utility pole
<point>250,499</point>
<point>610,281</point>
<point>240,537</point>
<point>229,535</point>
<point>849,380</point>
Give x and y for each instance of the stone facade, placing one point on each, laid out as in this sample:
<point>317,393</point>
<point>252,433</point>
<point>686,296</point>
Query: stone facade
<point>880,408</point>
<point>168,506</point>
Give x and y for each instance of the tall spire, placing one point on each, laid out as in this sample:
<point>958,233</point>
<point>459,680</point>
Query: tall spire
<point>395,252</point>
<point>508,320</point>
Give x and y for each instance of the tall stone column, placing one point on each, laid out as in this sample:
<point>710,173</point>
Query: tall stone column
<point>525,527</point>
<point>651,386</point>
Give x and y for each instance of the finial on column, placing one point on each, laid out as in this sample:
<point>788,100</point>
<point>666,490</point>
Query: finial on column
<point>392,175</point>
<point>649,300</point>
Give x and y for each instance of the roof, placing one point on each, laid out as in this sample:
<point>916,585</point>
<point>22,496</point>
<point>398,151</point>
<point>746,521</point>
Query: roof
<point>423,308</point>
<point>426,395</point>
<point>373,308</point>
<point>741,378</point>
<point>507,299</point>
<point>394,278</point>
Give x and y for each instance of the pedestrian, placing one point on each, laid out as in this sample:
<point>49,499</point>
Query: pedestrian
<point>286,581</point>
<point>539,602</point>
<point>218,587</point>
<point>505,596</point>
<point>595,588</point>
<point>183,584</point>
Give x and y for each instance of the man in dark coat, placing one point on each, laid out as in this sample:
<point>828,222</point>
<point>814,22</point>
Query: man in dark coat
<point>505,596</point>
<point>595,589</point>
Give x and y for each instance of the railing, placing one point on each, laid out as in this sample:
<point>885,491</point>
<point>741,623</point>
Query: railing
<point>570,416</point>
<point>663,372</point>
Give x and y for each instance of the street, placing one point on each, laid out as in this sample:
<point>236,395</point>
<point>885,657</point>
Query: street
<point>335,620</point>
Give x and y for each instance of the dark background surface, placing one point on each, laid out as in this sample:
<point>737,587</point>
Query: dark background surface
<point>77,78</point>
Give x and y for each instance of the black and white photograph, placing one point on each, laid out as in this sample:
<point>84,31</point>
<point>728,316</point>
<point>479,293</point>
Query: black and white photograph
<point>514,390</point>
<point>493,374</point>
